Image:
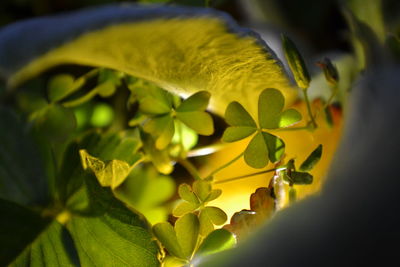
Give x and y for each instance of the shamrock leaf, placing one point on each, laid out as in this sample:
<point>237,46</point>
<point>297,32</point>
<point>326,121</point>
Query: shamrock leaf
<point>242,124</point>
<point>163,117</point>
<point>270,115</point>
<point>217,241</point>
<point>179,241</point>
<point>263,147</point>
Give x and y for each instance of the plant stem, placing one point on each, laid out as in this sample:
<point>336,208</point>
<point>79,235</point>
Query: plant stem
<point>243,176</point>
<point>189,167</point>
<point>224,166</point>
<point>314,124</point>
<point>207,3</point>
<point>334,92</point>
<point>80,100</point>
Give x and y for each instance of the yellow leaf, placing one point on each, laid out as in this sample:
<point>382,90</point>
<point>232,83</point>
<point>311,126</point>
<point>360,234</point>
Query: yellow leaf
<point>183,50</point>
<point>110,174</point>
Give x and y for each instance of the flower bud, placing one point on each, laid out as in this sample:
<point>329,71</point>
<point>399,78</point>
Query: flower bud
<point>296,63</point>
<point>330,71</point>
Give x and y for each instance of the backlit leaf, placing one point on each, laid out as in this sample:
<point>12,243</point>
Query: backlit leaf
<point>256,153</point>
<point>111,174</point>
<point>311,160</point>
<point>199,121</point>
<point>185,192</point>
<point>217,241</point>
<point>198,101</point>
<point>235,133</point>
<point>153,106</point>
<point>165,233</point>
<point>289,117</point>
<point>187,232</point>
<point>276,147</point>
<point>202,189</point>
<point>236,115</point>
<point>296,63</point>
<point>165,138</point>
<point>214,194</point>
<point>179,60</point>
<point>270,105</point>
<point>183,208</point>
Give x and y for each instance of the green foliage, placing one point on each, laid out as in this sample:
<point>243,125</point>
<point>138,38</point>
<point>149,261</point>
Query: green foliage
<point>296,63</point>
<point>263,147</point>
<point>163,114</point>
<point>312,159</point>
<point>22,176</point>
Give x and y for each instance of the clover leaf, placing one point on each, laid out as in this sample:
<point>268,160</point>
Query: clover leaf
<point>263,147</point>
<point>196,198</point>
<point>159,105</point>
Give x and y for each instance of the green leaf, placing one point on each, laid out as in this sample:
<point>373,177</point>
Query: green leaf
<point>181,61</point>
<point>217,241</point>
<point>289,117</point>
<point>19,226</point>
<point>111,77</point>
<point>202,189</point>
<point>276,147</point>
<point>235,133</point>
<point>54,247</point>
<point>22,176</point>
<point>301,178</point>
<point>165,138</point>
<point>216,215</point>
<point>54,122</point>
<point>256,153</point>
<point>112,233</point>
<point>141,191</point>
<point>60,86</point>
<point>210,216</point>
<point>296,63</point>
<point>187,232</point>
<point>214,194</point>
<point>196,102</point>
<point>153,106</point>
<point>199,121</point>
<point>270,105</point>
<point>165,233</point>
<point>183,208</point>
<point>185,192</point>
<point>106,89</point>
<point>206,225</point>
<point>311,160</point>
<point>185,136</point>
<point>112,173</point>
<point>236,115</point>
<point>162,128</point>
<point>160,158</point>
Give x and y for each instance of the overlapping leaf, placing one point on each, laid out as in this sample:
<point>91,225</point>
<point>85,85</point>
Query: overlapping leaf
<point>164,116</point>
<point>263,147</point>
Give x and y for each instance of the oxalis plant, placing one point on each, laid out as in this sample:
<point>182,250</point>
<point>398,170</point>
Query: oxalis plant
<point>98,166</point>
